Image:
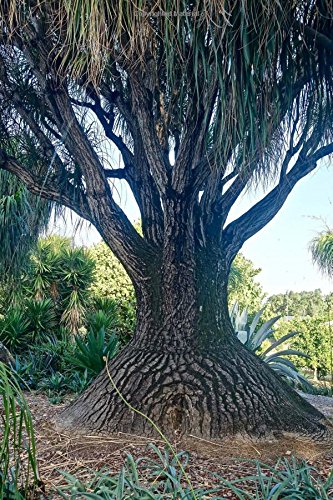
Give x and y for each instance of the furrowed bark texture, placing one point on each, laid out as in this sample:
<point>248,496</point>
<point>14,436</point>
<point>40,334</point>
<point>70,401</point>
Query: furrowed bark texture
<point>195,392</point>
<point>184,368</point>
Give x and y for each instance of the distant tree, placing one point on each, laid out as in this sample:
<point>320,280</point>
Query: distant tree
<point>297,304</point>
<point>243,288</point>
<point>313,340</point>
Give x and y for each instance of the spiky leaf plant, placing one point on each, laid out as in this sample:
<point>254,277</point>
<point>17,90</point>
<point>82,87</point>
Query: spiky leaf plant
<point>18,461</point>
<point>14,329</point>
<point>90,353</point>
<point>253,338</point>
<point>76,277</point>
<point>23,217</point>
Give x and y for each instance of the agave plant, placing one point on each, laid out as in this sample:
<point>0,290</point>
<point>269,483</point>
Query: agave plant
<point>253,338</point>
<point>90,354</point>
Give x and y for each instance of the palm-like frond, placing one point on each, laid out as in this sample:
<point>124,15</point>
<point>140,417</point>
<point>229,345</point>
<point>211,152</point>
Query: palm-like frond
<point>252,56</point>
<point>23,217</point>
<point>322,252</point>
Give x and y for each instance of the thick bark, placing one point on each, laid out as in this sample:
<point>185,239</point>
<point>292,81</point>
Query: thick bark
<point>185,369</point>
<point>194,391</point>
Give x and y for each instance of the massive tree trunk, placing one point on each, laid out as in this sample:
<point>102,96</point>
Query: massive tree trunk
<point>185,368</point>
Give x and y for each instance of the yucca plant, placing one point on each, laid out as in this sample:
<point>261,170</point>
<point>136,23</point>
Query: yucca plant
<point>90,353</point>
<point>97,320</point>
<point>253,338</point>
<point>14,329</point>
<point>43,275</point>
<point>41,316</point>
<point>76,276</point>
<point>18,461</point>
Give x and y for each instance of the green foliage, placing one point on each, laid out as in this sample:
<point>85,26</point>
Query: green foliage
<point>104,315</point>
<point>254,338</point>
<point>289,479</point>
<point>322,251</point>
<point>14,329</point>
<point>112,282</point>
<point>22,218</point>
<point>242,287</point>
<point>63,274</point>
<point>17,440</point>
<point>161,477</point>
<point>41,316</point>
<point>313,303</point>
<point>75,278</point>
<point>90,353</point>
<point>111,279</point>
<point>314,339</point>
<point>54,293</point>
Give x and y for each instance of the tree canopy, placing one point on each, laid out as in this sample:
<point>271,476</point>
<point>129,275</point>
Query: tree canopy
<point>198,97</point>
<point>313,303</point>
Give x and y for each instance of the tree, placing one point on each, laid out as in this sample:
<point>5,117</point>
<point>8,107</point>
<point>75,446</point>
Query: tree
<point>291,303</point>
<point>202,100</point>
<point>243,289</point>
<point>322,251</point>
<point>313,339</point>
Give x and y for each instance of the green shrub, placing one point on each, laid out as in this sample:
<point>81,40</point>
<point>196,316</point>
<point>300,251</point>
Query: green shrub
<point>314,339</point>
<point>112,282</point>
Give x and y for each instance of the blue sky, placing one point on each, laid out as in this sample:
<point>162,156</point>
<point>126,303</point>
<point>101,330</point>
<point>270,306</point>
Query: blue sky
<point>281,248</point>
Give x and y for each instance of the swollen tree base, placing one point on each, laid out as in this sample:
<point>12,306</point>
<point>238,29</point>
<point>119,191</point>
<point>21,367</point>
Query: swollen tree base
<point>200,393</point>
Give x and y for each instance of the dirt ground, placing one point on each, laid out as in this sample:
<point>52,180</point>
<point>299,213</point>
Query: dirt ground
<point>76,453</point>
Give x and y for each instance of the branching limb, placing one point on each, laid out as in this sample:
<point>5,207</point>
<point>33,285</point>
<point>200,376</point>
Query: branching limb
<point>48,187</point>
<point>240,230</point>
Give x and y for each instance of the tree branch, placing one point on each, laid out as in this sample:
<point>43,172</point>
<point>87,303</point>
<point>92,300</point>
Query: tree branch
<point>240,230</point>
<point>46,187</point>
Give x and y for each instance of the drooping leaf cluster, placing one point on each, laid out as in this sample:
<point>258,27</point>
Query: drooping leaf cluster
<point>23,217</point>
